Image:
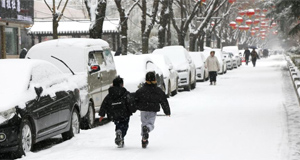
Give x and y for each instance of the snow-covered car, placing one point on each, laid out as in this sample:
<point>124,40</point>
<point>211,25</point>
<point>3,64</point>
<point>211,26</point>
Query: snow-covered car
<point>218,54</point>
<point>228,59</point>
<point>92,66</point>
<point>235,51</point>
<point>169,73</point>
<point>133,69</point>
<point>37,102</point>
<point>201,71</point>
<point>183,64</point>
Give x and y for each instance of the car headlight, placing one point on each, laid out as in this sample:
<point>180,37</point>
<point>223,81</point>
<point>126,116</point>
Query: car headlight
<point>183,70</point>
<point>8,114</point>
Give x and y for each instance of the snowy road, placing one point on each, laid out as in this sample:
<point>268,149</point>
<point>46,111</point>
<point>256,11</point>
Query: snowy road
<point>251,114</point>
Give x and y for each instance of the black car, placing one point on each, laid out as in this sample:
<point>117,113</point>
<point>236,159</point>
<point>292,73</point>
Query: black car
<point>37,102</point>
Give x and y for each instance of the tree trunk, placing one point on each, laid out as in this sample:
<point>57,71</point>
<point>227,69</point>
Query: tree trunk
<point>181,37</point>
<point>2,43</point>
<point>208,39</point>
<point>124,28</point>
<point>145,44</point>
<point>96,30</point>
<point>201,43</point>
<point>55,25</point>
<point>193,40</point>
<point>164,18</point>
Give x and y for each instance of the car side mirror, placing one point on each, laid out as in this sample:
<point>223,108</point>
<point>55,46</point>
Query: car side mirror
<point>38,91</point>
<point>94,68</point>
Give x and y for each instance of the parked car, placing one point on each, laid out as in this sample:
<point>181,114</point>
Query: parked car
<point>37,102</point>
<point>235,51</point>
<point>241,53</point>
<point>228,57</point>
<point>91,63</point>
<point>169,73</point>
<point>218,54</point>
<point>201,71</point>
<point>183,64</point>
<point>133,69</point>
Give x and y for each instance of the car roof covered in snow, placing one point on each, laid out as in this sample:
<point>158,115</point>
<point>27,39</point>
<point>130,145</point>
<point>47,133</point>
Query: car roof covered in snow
<point>72,51</point>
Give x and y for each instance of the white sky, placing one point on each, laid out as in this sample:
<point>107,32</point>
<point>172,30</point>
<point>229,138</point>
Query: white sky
<point>251,114</point>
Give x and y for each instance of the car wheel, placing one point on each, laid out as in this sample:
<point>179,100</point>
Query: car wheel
<point>189,86</point>
<point>194,84</point>
<point>169,89</point>
<point>25,138</point>
<point>176,90</point>
<point>89,119</point>
<point>74,126</point>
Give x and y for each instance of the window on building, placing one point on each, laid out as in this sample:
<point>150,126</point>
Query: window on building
<point>11,41</point>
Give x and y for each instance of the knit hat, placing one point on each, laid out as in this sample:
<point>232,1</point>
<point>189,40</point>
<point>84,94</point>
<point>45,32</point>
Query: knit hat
<point>118,81</point>
<point>150,76</point>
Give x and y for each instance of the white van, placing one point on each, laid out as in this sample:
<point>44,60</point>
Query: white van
<point>91,63</point>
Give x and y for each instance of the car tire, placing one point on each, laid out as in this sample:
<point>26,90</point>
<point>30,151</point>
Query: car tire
<point>189,86</point>
<point>176,90</point>
<point>74,126</point>
<point>89,119</point>
<point>169,89</point>
<point>194,84</point>
<point>25,138</point>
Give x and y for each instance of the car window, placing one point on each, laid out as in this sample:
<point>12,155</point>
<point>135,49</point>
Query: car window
<point>45,74</point>
<point>109,60</point>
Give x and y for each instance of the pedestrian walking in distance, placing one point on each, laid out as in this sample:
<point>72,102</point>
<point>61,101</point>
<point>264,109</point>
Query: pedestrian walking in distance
<point>247,55</point>
<point>148,100</point>
<point>118,107</point>
<point>213,66</point>
<point>254,57</point>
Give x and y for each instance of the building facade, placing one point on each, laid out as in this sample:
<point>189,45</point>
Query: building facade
<point>15,17</point>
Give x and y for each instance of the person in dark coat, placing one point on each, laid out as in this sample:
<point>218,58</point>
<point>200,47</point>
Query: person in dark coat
<point>118,107</point>
<point>254,57</point>
<point>148,100</point>
<point>23,53</point>
<point>247,55</point>
<point>118,52</point>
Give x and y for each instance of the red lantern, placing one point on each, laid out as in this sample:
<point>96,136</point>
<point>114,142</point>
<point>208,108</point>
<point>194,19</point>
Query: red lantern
<point>262,16</point>
<point>263,23</point>
<point>256,21</point>
<point>241,28</point>
<point>263,31</point>
<point>241,13</point>
<point>232,24</point>
<point>265,10</point>
<point>274,24</point>
<point>252,33</point>
<point>256,28</point>
<point>212,24</point>
<point>257,10</point>
<point>246,28</point>
<point>249,22</point>
<point>250,12</point>
<point>231,1</point>
<point>264,26</point>
<point>239,20</point>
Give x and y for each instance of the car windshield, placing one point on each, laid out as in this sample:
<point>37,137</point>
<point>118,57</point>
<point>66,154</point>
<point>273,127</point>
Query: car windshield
<point>176,58</point>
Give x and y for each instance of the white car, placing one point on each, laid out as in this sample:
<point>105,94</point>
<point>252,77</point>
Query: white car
<point>183,64</point>
<point>218,54</point>
<point>201,71</point>
<point>235,51</point>
<point>133,69</point>
<point>228,57</point>
<point>169,73</point>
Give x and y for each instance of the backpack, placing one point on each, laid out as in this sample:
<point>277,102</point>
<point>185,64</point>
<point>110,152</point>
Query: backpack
<point>253,55</point>
<point>118,109</point>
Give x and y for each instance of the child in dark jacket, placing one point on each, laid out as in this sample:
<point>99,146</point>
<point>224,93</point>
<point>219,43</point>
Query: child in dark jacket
<point>118,107</point>
<point>148,100</point>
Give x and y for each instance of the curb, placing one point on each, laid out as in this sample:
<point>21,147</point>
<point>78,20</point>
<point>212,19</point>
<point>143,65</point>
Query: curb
<point>295,76</point>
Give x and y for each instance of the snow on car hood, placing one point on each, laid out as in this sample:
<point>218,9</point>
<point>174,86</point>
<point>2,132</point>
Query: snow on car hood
<point>182,66</point>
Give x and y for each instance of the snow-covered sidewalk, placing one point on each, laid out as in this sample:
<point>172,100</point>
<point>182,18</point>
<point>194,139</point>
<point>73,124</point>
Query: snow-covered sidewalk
<point>251,114</point>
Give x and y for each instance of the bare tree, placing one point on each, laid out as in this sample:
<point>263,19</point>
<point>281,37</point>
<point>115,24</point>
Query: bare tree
<point>164,21</point>
<point>56,15</point>
<point>188,11</point>
<point>97,16</point>
<point>146,29</point>
<point>123,23</point>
